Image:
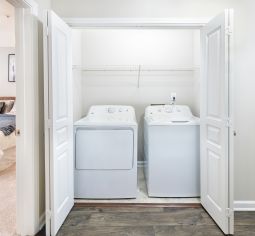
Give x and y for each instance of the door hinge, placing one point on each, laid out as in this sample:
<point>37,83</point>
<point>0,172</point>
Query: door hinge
<point>229,212</point>
<point>48,214</point>
<point>228,123</point>
<point>229,31</point>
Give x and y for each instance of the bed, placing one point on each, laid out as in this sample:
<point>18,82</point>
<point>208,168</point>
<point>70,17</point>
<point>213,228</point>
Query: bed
<point>7,126</point>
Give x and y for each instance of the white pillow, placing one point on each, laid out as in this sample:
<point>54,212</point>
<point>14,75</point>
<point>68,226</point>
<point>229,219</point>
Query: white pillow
<point>13,110</point>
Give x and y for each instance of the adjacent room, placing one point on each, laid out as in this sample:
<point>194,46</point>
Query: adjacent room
<point>7,120</point>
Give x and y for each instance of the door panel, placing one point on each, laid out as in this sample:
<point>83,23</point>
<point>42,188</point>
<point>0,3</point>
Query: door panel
<point>215,116</point>
<point>214,79</point>
<point>58,122</point>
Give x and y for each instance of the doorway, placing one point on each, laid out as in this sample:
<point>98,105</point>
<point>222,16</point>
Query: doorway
<point>138,67</point>
<point>58,208</point>
<point>7,120</point>
<point>25,73</point>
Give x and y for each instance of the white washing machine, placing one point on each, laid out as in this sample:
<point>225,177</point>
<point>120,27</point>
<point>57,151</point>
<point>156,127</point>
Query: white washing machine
<point>106,153</point>
<point>171,146</point>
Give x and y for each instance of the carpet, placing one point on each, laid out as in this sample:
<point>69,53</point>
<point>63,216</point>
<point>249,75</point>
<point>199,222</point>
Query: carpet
<point>8,159</point>
<point>8,195</point>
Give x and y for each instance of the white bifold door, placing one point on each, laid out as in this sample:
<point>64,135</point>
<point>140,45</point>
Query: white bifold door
<point>216,119</point>
<point>58,122</point>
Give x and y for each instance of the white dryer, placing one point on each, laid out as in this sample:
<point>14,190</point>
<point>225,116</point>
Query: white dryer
<point>171,147</point>
<point>106,153</point>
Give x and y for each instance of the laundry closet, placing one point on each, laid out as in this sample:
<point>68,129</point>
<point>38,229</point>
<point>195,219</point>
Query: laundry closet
<point>137,68</point>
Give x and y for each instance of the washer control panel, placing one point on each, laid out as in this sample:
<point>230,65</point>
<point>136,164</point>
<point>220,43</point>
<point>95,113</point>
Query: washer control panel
<point>168,113</point>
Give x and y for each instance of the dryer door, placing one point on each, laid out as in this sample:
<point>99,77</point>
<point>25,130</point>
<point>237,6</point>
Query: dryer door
<point>104,149</point>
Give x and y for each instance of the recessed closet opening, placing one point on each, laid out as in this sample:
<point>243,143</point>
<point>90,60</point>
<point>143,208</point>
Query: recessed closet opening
<point>137,67</point>
<point>136,64</point>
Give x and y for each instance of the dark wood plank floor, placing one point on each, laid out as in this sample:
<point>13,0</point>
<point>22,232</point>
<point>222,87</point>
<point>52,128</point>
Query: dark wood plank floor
<point>149,221</point>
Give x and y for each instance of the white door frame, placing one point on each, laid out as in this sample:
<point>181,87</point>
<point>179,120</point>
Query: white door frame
<point>232,128</point>
<point>157,23</point>
<point>168,23</point>
<point>27,162</point>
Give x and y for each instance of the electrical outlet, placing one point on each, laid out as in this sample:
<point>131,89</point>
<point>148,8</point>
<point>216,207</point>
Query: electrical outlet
<point>173,96</point>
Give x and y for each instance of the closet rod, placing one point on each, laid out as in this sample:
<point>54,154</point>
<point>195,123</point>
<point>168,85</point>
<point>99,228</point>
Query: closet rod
<point>139,69</point>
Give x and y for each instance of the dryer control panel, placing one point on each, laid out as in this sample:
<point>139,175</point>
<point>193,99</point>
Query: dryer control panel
<point>111,113</point>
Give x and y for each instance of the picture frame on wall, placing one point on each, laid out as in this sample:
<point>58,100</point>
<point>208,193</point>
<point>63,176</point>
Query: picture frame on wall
<point>11,68</point>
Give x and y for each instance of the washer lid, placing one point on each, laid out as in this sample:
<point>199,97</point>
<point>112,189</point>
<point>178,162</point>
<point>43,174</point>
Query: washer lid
<point>170,114</point>
<point>109,114</point>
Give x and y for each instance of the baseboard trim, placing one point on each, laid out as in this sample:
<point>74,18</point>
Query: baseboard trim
<point>244,205</point>
<point>41,221</point>
<point>145,205</point>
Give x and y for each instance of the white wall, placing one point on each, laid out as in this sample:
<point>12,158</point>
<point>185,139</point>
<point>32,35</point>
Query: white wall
<point>43,5</point>
<point>38,108</point>
<point>140,8</point>
<point>7,21</point>
<point>244,61</point>
<point>133,47</point>
<point>39,118</point>
<point>244,71</point>
<point>7,46</point>
<point>6,88</point>
<point>196,62</point>
<point>152,49</point>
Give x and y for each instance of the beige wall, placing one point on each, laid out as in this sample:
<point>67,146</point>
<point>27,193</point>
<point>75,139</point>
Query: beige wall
<point>244,69</point>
